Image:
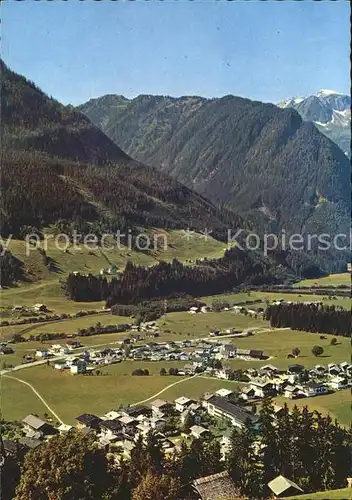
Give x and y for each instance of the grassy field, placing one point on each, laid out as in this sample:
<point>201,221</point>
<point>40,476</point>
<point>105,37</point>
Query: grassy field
<point>186,324</point>
<point>275,343</point>
<point>237,298</point>
<point>331,280</point>
<point>18,400</point>
<point>278,343</point>
<point>72,325</point>
<point>47,292</point>
<point>43,286</point>
<point>338,405</point>
<point>343,494</point>
<point>70,395</point>
<point>68,326</point>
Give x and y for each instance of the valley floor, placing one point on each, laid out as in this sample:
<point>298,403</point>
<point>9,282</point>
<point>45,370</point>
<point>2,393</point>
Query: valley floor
<point>70,395</point>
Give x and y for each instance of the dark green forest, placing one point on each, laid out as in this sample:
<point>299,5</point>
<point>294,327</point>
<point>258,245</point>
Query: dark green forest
<point>311,318</point>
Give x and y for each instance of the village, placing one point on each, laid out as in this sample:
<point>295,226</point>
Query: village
<point>233,361</point>
<point>213,416</point>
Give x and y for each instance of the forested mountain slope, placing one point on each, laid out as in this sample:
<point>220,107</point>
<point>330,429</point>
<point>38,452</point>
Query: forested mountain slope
<point>261,160</point>
<point>60,170</point>
<point>58,166</point>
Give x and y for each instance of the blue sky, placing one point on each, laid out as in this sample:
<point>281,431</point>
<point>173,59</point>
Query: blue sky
<point>268,51</point>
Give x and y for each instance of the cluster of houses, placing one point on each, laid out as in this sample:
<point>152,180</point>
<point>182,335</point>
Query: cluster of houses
<point>89,360</point>
<point>198,350</point>
<point>198,353</point>
<point>296,381</point>
<point>117,431</point>
<point>237,309</point>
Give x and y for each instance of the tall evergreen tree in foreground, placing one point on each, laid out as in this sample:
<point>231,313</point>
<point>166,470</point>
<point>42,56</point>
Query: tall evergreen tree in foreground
<point>242,462</point>
<point>69,467</point>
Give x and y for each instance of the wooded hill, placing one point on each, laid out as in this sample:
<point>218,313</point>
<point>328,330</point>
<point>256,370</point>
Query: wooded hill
<point>256,158</point>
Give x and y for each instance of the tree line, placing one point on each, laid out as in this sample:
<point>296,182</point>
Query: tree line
<point>139,283</point>
<point>310,318</point>
<point>153,309</point>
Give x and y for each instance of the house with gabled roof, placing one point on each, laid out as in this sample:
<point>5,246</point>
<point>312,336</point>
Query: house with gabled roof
<point>291,391</point>
<point>247,393</point>
<point>37,428</point>
<point>310,389</point>
<point>199,432</point>
<point>227,351</point>
<point>87,420</point>
<point>182,403</point>
<point>159,405</point>
<point>224,393</point>
<point>338,383</point>
<point>262,388</point>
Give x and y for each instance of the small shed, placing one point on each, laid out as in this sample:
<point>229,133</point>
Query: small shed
<point>281,486</point>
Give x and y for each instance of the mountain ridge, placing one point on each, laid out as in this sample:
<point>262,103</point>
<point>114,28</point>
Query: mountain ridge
<point>243,154</point>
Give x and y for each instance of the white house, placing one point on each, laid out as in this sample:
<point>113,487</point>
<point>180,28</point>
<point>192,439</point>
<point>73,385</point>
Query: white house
<point>311,389</point>
<point>199,432</point>
<point>223,373</point>
<point>291,392</point>
<point>111,415</point>
<point>247,394</point>
<point>228,351</point>
<point>193,310</point>
<point>64,428</point>
<point>338,383</point>
<point>40,307</point>
<point>42,353</point>
<point>79,367</point>
<point>182,403</point>
<point>261,388</point>
<point>60,365</point>
<point>205,309</point>
<point>157,423</point>
<point>222,408</point>
<point>224,393</point>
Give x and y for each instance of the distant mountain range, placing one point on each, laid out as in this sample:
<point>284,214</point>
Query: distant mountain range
<point>257,159</point>
<point>331,113</point>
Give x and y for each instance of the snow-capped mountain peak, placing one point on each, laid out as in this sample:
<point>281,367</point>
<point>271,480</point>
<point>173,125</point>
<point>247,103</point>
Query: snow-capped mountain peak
<point>325,92</point>
<point>330,111</point>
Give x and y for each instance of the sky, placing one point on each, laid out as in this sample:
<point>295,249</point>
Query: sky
<point>76,50</point>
